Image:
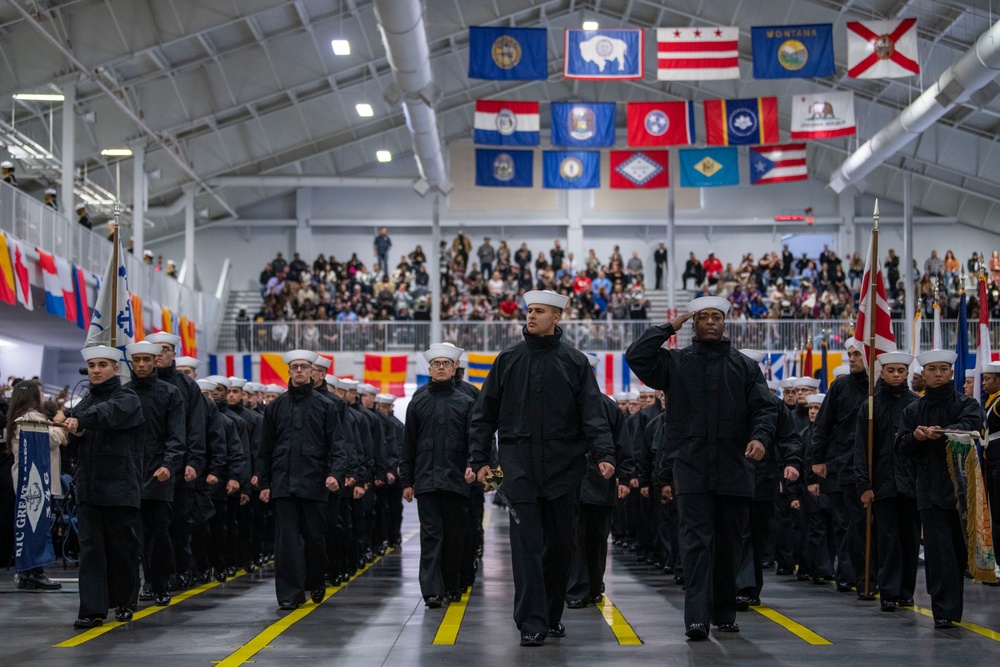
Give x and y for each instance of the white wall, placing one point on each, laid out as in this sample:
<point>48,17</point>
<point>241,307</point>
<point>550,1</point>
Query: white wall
<point>20,359</point>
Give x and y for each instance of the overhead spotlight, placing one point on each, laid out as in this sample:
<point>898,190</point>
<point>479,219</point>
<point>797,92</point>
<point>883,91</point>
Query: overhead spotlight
<point>365,110</point>
<point>341,47</point>
<point>117,152</point>
<point>383,156</point>
<point>39,97</point>
<point>590,25</point>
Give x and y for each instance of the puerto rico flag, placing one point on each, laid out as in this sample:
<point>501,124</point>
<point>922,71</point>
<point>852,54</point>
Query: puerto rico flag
<point>882,49</point>
<point>640,169</point>
<point>697,54</point>
<point>747,122</point>
<point>660,123</point>
<point>778,164</point>
<point>500,123</point>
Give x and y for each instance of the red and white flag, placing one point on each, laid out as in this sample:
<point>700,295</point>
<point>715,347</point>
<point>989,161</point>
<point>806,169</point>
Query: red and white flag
<point>22,281</point>
<point>778,164</point>
<point>882,49</point>
<point>660,123</point>
<point>631,170</point>
<point>823,115</point>
<point>881,319</point>
<point>984,352</point>
<point>697,54</point>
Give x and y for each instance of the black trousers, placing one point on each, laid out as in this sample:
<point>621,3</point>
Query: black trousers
<point>586,577</point>
<point>218,527</point>
<point>785,532</point>
<point>645,524</point>
<point>840,515</point>
<point>300,548</point>
<point>473,537</point>
<point>542,547</point>
<point>109,557</point>
<point>993,496</point>
<point>180,527</point>
<point>750,576</point>
<point>945,559</point>
<point>158,551</point>
<point>334,536</point>
<point>659,276</point>
<point>345,527</point>
<point>818,535</point>
<point>856,517</point>
<point>711,528</point>
<point>444,518</point>
<point>898,524</point>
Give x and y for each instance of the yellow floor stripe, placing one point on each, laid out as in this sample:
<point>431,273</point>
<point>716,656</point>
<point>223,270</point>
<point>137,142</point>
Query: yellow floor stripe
<point>978,629</point>
<point>94,633</point>
<point>452,621</point>
<point>623,631</point>
<point>795,628</point>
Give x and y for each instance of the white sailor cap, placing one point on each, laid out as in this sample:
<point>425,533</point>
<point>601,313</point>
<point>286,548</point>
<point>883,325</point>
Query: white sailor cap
<point>773,385</point>
<point>937,356</point>
<point>992,367</point>
<point>187,362</point>
<point>365,388</point>
<point>80,205</point>
<point>621,396</point>
<point>221,380</point>
<point>147,253</point>
<point>853,343</point>
<point>632,395</point>
<point>323,362</point>
<point>704,302</point>
<point>162,337</point>
<point>207,384</point>
<point>348,385</point>
<point>463,361</point>
<point>841,370</point>
<point>171,262</point>
<point>101,352</point>
<point>142,347</point>
<point>273,389</point>
<point>815,399</point>
<point>970,373</point>
<point>238,383</point>
<point>756,355</point>
<point>332,381</point>
<point>593,360</point>
<point>546,298</point>
<point>812,383</point>
<point>644,390</point>
<point>50,191</point>
<point>788,382</point>
<point>887,358</point>
<point>385,399</point>
<point>6,164</point>
<point>299,355</point>
<point>253,387</point>
<point>442,351</point>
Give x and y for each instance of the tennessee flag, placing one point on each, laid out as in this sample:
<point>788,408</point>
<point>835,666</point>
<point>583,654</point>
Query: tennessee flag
<point>386,371</point>
<point>660,123</point>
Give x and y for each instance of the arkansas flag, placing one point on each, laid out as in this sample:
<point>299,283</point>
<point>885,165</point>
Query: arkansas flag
<point>882,49</point>
<point>640,169</point>
<point>660,123</point>
<point>881,319</point>
<point>697,54</point>
<point>778,164</point>
<point>499,123</point>
<point>823,115</point>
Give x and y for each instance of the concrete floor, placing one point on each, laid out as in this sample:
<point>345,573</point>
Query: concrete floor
<point>379,619</point>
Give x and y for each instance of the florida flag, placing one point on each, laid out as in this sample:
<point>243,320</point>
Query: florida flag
<point>882,49</point>
<point>778,164</point>
<point>877,325</point>
<point>500,123</point>
<point>660,123</point>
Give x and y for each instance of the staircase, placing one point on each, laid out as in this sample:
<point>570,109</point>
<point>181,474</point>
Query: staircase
<point>249,299</point>
<point>658,301</point>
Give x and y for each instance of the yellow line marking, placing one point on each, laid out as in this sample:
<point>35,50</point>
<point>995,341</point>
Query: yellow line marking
<point>452,621</point>
<point>795,628</point>
<point>623,631</point>
<point>94,633</point>
<point>978,629</point>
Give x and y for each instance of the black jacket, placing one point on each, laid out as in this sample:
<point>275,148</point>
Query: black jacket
<point>302,444</point>
<point>787,451</point>
<point>254,424</point>
<point>833,432</point>
<point>348,423</point>
<point>194,417</point>
<point>163,434</point>
<point>717,402</point>
<point>943,407</point>
<point>541,398</point>
<point>237,452</point>
<point>894,475</point>
<point>216,442</point>
<point>637,424</point>
<point>369,432</point>
<point>436,441</point>
<point>595,490</point>
<point>993,428</point>
<point>110,449</point>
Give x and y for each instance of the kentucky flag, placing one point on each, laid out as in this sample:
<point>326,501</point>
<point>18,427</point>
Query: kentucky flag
<point>498,168</point>
<point>508,54</point>
<point>708,167</point>
<point>792,51</point>
<point>583,125</point>
<point>571,170</point>
<point>33,547</point>
<point>603,54</point>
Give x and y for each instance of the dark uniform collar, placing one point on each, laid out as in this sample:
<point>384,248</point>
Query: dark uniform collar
<point>107,387</point>
<point>540,343</point>
<point>940,394</point>
<point>301,391</point>
<point>893,392</point>
<point>439,387</point>
<point>166,372</point>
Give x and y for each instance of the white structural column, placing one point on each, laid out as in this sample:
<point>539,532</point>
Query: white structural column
<point>138,198</point>
<point>574,223</point>
<point>847,243</point>
<point>189,236</point>
<point>906,268</point>
<point>303,216</point>
<point>671,254</point>
<point>434,264</point>
<point>68,148</point>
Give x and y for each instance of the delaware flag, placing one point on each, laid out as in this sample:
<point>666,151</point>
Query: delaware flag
<point>583,125</point>
<point>22,282</point>
<point>708,167</point>
<point>501,123</point>
<point>34,497</point>
<point>272,369</point>
<point>387,372</point>
<point>571,170</point>
<point>55,298</point>
<point>232,365</point>
<point>603,54</point>
<point>508,54</point>
<point>8,292</point>
<point>746,122</point>
<point>504,168</point>
<point>81,305</point>
<point>479,368</point>
<point>792,51</point>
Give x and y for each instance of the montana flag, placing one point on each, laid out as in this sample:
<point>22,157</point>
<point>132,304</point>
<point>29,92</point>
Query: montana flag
<point>640,169</point>
<point>660,123</point>
<point>823,115</point>
<point>55,299</point>
<point>8,290</point>
<point>879,322</point>
<point>504,168</point>
<point>747,122</point>
<point>387,372</point>
<point>778,164</point>
<point>571,170</point>
<point>603,54</point>
<point>792,51</point>
<point>882,49</point>
<point>22,281</point>
<point>33,547</point>
<point>232,365</point>
<point>708,167</point>
<point>500,123</point>
<point>697,54</point>
<point>583,125</point>
<point>81,304</point>
<point>508,54</point>
<point>479,368</point>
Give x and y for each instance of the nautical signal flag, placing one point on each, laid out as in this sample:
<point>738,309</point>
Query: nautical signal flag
<point>231,365</point>
<point>387,372</point>
<point>583,125</point>
<point>22,281</point>
<point>571,170</point>
<point>882,49</point>
<point>697,54</point>
<point>272,369</point>
<point>81,308</point>
<point>508,54</point>
<point>479,368</point>
<point>8,290</point>
<point>746,122</point>
<point>56,295</point>
<point>497,168</point>
<point>792,51</point>
<point>603,54</point>
<point>708,167</point>
<point>660,123</point>
<point>823,115</point>
<point>778,164</point>
<point>640,169</point>
<point>500,123</point>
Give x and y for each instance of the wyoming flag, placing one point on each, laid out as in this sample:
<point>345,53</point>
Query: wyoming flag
<point>387,372</point>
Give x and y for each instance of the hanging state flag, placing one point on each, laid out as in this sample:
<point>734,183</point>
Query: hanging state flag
<point>660,123</point>
<point>697,54</point>
<point>186,332</point>
<point>640,169</point>
<point>778,164</point>
<point>386,371</point>
<point>81,304</point>
<point>500,123</point>
<point>747,122</point>
<point>232,365</point>
<point>55,300</point>
<point>583,125</point>
<point>603,54</point>
<point>498,168</point>
<point>33,547</point>
<point>479,367</point>
<point>8,289</point>
<point>708,167</point>
<point>22,281</point>
<point>823,115</point>
<point>879,323</point>
<point>273,370</point>
<point>792,51</point>
<point>508,54</point>
<point>111,322</point>
<point>571,170</point>
<point>882,49</point>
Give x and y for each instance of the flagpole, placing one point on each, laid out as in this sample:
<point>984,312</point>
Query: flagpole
<point>870,321</point>
<point>114,275</point>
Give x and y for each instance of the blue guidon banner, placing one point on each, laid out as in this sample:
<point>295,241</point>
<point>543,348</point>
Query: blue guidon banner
<point>32,523</point>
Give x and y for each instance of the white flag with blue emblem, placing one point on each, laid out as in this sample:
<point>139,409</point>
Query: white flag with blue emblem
<point>112,323</point>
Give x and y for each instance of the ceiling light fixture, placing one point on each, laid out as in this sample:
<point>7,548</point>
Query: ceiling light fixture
<point>341,47</point>
<point>117,152</point>
<point>365,110</point>
<point>39,97</point>
<point>590,25</point>
<point>383,156</point>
